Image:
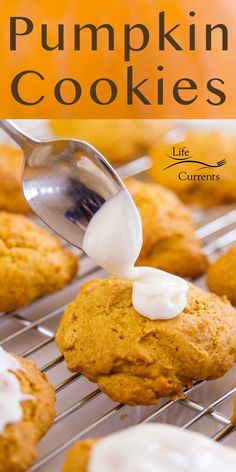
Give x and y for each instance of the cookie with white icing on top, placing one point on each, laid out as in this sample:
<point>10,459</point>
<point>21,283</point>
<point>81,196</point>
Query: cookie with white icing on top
<point>32,397</point>
<point>150,447</point>
<point>135,360</point>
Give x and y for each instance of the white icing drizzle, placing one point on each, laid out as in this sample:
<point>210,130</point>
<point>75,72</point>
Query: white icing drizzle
<point>160,448</point>
<point>10,391</point>
<point>113,240</point>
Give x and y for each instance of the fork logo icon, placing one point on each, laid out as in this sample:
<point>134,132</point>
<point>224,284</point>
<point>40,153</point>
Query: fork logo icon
<point>182,155</point>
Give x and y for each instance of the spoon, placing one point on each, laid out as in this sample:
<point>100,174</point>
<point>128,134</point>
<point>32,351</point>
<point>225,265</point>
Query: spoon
<point>65,181</point>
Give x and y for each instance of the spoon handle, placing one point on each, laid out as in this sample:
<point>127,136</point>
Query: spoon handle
<point>25,142</point>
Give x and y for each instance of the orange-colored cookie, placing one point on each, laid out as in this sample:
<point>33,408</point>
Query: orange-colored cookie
<point>169,240</point>
<point>32,262</point>
<point>78,456</point>
<point>18,442</point>
<point>11,196</point>
<point>196,182</point>
<point>221,277</point>
<point>118,140</point>
<point>135,360</point>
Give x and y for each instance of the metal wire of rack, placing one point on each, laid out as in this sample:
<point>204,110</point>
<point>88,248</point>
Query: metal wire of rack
<point>82,409</point>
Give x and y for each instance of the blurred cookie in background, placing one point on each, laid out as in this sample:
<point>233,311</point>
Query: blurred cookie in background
<point>169,239</point>
<point>118,140</point>
<point>199,166</point>
<point>11,196</point>
<point>221,277</point>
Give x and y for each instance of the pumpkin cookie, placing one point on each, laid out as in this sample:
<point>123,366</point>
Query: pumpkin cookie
<point>221,276</point>
<point>37,410</point>
<point>135,360</point>
<point>11,196</point>
<point>150,446</point>
<point>169,240</point>
<point>78,456</point>
<point>118,140</point>
<point>32,262</point>
<point>193,179</point>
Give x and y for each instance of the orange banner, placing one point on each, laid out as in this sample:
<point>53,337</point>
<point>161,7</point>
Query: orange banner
<point>118,59</point>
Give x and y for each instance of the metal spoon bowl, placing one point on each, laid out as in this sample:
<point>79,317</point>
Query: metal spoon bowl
<point>65,181</point>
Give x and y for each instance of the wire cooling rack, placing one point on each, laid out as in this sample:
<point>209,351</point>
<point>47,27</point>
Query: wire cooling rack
<point>82,410</point>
